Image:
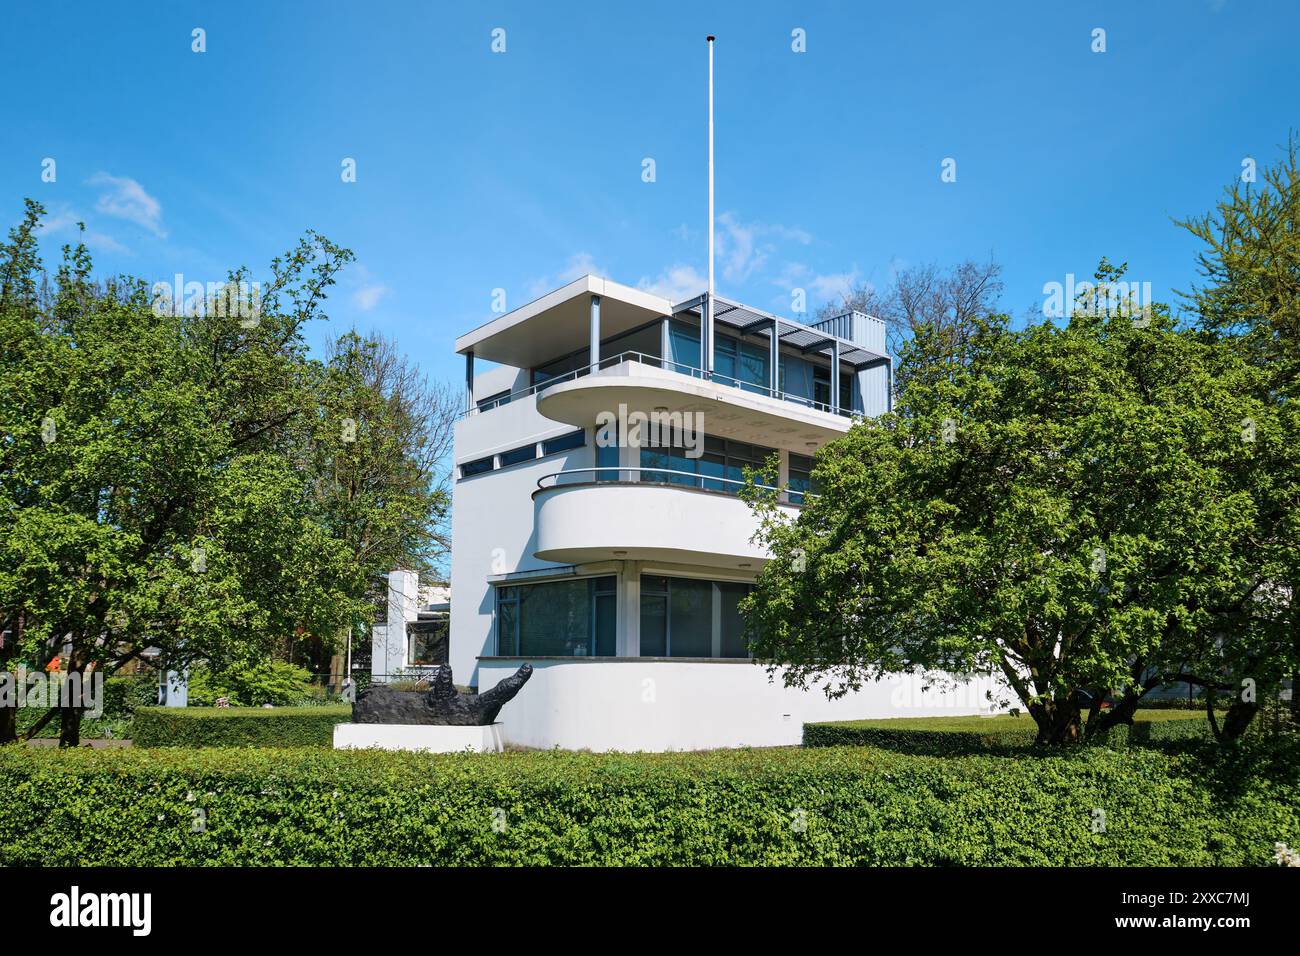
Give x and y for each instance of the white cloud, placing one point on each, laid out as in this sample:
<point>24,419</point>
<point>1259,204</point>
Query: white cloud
<point>676,283</point>
<point>579,264</point>
<point>125,198</point>
<point>66,221</point>
<point>368,296</point>
<point>746,247</point>
<point>834,286</point>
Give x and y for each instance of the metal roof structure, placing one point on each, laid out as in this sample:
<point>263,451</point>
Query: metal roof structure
<point>746,320</point>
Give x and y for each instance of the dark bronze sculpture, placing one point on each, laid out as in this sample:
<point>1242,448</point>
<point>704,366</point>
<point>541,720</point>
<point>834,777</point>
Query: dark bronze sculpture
<point>440,704</point>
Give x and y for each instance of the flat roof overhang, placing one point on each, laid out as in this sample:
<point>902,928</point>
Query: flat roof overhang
<point>560,322</point>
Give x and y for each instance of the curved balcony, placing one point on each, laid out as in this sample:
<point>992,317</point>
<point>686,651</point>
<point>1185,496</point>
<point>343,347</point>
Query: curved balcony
<point>728,408</point>
<point>644,514</point>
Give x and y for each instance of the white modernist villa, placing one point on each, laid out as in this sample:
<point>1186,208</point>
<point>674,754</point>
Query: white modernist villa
<point>615,570</point>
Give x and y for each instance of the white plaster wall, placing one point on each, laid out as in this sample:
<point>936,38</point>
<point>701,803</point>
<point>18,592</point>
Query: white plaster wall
<point>658,705</point>
<point>388,641</point>
<point>587,522</point>
<point>492,529</point>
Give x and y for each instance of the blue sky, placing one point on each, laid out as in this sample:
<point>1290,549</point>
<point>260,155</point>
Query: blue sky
<point>520,170</point>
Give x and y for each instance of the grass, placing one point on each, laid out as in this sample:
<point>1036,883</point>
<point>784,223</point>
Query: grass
<point>997,724</point>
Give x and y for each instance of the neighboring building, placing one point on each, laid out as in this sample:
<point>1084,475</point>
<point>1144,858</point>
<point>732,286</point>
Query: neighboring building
<point>415,630</point>
<point>615,569</point>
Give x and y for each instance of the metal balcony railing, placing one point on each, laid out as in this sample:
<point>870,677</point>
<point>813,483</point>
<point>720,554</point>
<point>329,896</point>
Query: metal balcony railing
<point>667,477</point>
<point>656,361</point>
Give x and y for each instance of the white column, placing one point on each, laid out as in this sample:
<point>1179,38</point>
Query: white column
<point>629,610</point>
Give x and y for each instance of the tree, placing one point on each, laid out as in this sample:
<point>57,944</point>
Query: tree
<point>1250,301</point>
<point>152,469</point>
<point>1064,507</point>
<point>377,453</point>
<point>950,302</point>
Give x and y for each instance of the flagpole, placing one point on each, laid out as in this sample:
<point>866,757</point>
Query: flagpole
<point>708,304</point>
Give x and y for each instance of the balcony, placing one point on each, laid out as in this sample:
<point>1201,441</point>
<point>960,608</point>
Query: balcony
<point>643,514</point>
<point>729,407</point>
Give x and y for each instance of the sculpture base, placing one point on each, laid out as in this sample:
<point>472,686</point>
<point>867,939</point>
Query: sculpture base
<point>432,738</point>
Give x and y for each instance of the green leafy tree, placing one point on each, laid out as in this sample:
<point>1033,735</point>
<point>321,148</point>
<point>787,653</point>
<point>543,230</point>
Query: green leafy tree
<point>152,468</point>
<point>1250,301</point>
<point>1065,507</point>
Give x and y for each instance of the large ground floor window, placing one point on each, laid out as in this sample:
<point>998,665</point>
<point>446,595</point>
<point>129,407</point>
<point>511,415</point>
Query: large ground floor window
<point>571,618</point>
<point>687,617</point>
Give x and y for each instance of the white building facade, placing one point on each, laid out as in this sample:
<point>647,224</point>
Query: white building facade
<point>613,558</point>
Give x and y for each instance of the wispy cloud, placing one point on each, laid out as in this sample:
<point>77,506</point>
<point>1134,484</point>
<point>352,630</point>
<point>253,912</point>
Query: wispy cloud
<point>578,265</point>
<point>676,283</point>
<point>745,248</point>
<point>124,198</point>
<point>370,291</point>
<point>65,221</point>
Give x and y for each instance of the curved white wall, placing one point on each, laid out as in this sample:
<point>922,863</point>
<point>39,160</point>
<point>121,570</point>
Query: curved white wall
<point>641,521</point>
<point>658,705</point>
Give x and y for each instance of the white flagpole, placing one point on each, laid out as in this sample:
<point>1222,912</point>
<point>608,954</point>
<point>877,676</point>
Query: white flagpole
<point>708,335</point>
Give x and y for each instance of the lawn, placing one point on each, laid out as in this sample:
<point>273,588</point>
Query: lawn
<point>1000,723</point>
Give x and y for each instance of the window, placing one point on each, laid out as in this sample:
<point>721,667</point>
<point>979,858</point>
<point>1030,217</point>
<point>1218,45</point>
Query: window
<point>570,618</point>
<point>515,455</point>
<point>564,442</point>
<point>720,458</point>
<point>684,340</point>
<point>476,467</point>
<point>745,364</point>
<point>607,454</point>
<point>800,478</point>
<point>493,401</point>
<point>822,388</point>
<point>687,617</point>
<point>427,642</point>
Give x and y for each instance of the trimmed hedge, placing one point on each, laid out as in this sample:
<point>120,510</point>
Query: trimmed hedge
<point>837,806</point>
<point>237,726</point>
<point>968,735</point>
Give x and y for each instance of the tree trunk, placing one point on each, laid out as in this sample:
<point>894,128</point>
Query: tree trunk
<point>1238,718</point>
<point>1058,722</point>
<point>70,726</point>
<point>8,725</point>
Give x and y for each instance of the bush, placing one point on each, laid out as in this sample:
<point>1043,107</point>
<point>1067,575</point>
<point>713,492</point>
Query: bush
<point>124,693</point>
<point>270,682</point>
<point>837,806</point>
<point>966,735</point>
<point>237,726</point>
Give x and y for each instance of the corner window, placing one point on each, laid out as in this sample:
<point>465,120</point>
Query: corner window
<point>687,617</point>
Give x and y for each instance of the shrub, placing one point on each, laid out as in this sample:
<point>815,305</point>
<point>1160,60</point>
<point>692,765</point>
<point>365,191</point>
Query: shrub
<point>270,682</point>
<point>237,726</point>
<point>834,806</point>
<point>124,693</point>
<point>964,735</point>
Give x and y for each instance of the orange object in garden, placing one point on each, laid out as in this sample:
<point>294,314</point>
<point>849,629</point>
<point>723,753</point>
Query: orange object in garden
<point>54,666</point>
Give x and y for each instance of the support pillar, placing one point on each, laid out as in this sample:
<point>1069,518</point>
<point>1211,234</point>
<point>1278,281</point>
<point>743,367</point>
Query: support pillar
<point>469,381</point>
<point>594,355</point>
<point>774,358</point>
<point>835,376</point>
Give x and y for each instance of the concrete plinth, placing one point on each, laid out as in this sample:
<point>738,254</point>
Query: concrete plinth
<point>433,738</point>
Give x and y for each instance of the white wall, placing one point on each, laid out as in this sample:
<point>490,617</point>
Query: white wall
<point>492,519</point>
<point>656,705</point>
<point>388,647</point>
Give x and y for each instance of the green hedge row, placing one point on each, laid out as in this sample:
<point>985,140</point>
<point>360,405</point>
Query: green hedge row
<point>237,726</point>
<point>963,736</point>
<point>837,806</point>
